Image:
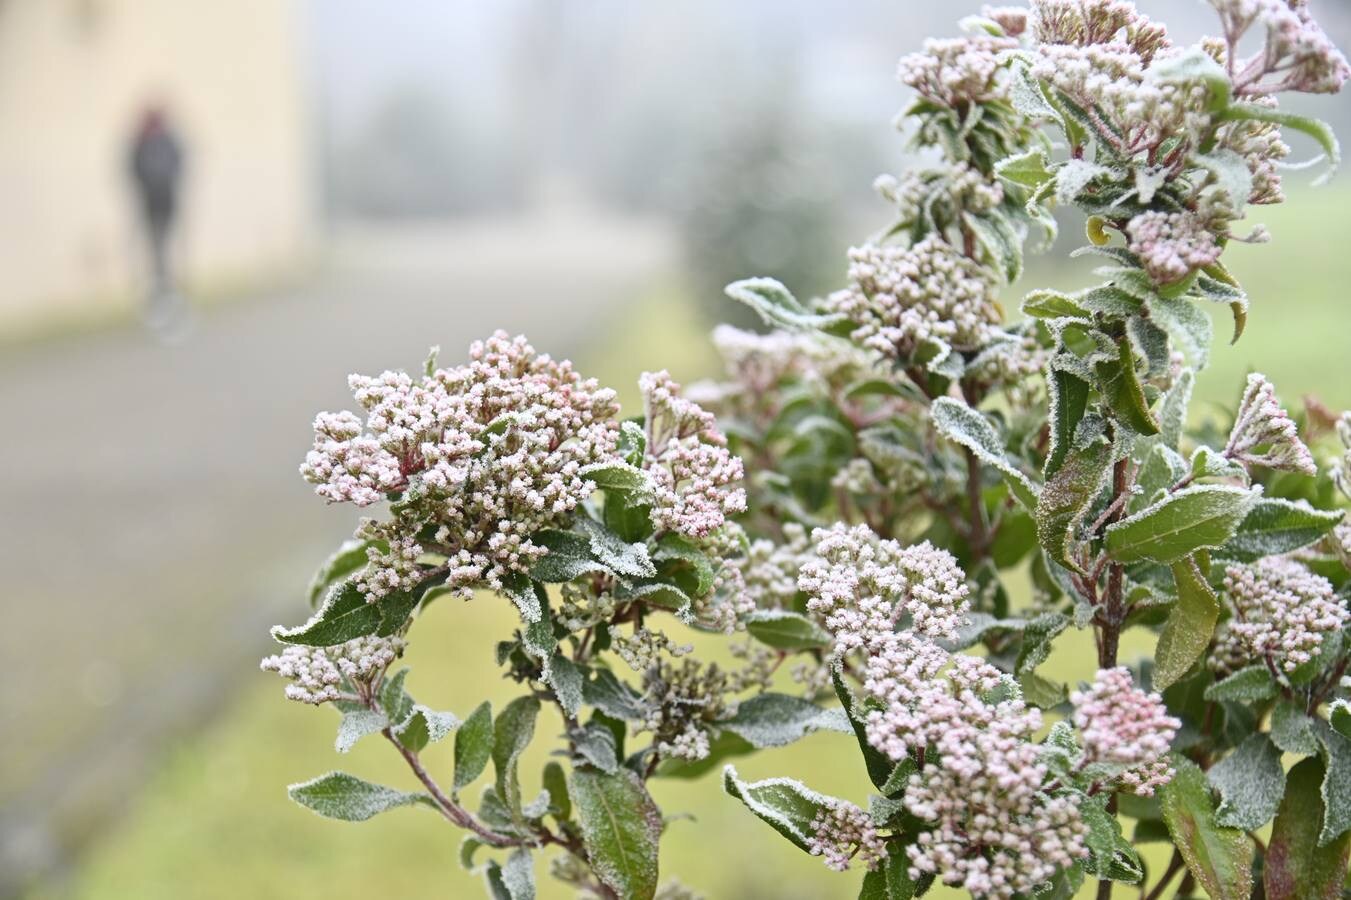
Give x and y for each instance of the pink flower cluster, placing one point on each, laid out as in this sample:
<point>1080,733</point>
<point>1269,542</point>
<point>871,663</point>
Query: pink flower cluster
<point>1084,23</point>
<point>484,454</point>
<point>1281,612</point>
<point>1171,245</point>
<point>900,297</point>
<point>1296,54</point>
<point>695,479</point>
<point>954,71</point>
<point>841,831</point>
<point>1122,725</point>
<point>317,673</point>
<point>863,585</point>
<point>1264,434</point>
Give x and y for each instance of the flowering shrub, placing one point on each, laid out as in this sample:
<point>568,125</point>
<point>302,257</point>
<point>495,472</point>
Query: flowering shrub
<point>864,496</point>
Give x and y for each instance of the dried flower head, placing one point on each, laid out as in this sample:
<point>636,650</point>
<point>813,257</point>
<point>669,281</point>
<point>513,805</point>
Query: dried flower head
<point>1264,434</point>
<point>1124,726</point>
<point>1281,612</point>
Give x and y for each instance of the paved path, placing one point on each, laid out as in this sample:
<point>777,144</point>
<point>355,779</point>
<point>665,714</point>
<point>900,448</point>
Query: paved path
<point>151,519</point>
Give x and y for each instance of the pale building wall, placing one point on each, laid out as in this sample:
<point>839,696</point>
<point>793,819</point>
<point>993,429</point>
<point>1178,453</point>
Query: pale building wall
<point>75,76</point>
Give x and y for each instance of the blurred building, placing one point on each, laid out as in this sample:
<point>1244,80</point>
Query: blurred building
<point>75,78</point>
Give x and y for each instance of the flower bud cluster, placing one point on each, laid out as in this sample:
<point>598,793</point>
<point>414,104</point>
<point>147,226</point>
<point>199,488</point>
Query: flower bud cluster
<point>684,700</point>
<point>995,829</point>
<point>317,673</point>
<point>1264,434</point>
<point>1281,612</point>
<point>1084,23</point>
<point>842,831</point>
<point>1296,54</point>
<point>862,586</point>
<point>1172,245</point>
<point>695,479</point>
<point>957,71</point>
<point>483,455</point>
<point>900,297</point>
<point>942,193</point>
<point>1341,469</point>
<point>1125,726</point>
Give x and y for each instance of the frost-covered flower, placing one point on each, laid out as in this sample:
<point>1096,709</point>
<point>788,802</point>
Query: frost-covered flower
<point>1171,245</point>
<point>1084,23</point>
<point>940,195</point>
<point>842,831</point>
<point>900,297</point>
<point>317,673</point>
<point>1297,54</point>
<point>1125,726</point>
<point>481,455</point>
<point>1264,434</point>
<point>918,703</point>
<point>695,479</point>
<point>769,570</point>
<point>1341,469</point>
<point>955,71</point>
<point>1012,19</point>
<point>863,585</point>
<point>996,832</point>
<point>1281,611</point>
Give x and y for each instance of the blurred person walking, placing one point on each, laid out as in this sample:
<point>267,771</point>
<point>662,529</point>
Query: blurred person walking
<point>156,168</point>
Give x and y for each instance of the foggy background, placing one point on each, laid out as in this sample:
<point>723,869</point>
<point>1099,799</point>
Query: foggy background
<point>363,180</point>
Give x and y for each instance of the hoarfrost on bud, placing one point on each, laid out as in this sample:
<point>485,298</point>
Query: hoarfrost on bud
<point>1125,726</point>
<point>1264,434</point>
<point>955,71</point>
<point>1281,612</point>
<point>695,479</point>
<point>841,832</point>
<point>899,297</point>
<point>1171,245</point>
<point>1296,55</point>
<point>317,673</point>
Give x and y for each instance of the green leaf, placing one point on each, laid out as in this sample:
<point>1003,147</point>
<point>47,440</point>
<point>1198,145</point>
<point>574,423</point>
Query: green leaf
<point>1038,635</point>
<point>1026,169</point>
<point>786,630</point>
<point>338,795</point>
<point>569,557</point>
<point>1339,716</point>
<point>966,426</point>
<point>1066,498</point>
<point>776,305</point>
<point>615,475</point>
<point>425,726</point>
<point>1068,396</point>
<point>566,679</point>
<point>1190,625</point>
<point>1248,685</point>
<point>785,805</point>
<point>1000,241</point>
<point>1274,526</point>
<point>1292,730</point>
<point>1111,856</point>
<point>1189,324</point>
<point>344,615</point>
<point>1336,791</point>
<point>1173,412</point>
<point>348,558</point>
<point>891,880</point>
<point>686,562</point>
<point>1296,867</point>
<point>1121,389</point>
<point>394,699</point>
<point>1320,131</point>
<point>474,745</point>
<point>516,879</point>
<point>1054,305</point>
<point>1195,518</point>
<point>511,734</point>
<point>878,765</point>
<point>556,783</point>
<point>1219,858</point>
<point>355,725</point>
<point>627,559</point>
<point>595,743</point>
<point>620,829</point>
<point>1250,782</point>
<point>776,720</point>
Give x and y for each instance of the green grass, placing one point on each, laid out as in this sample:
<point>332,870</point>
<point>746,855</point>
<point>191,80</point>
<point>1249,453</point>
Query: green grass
<point>215,822</point>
